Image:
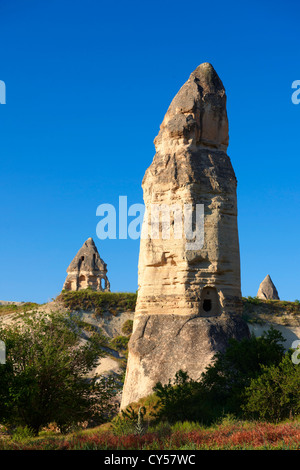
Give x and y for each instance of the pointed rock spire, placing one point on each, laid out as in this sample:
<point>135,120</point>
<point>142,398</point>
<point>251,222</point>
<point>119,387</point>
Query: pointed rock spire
<point>87,270</point>
<point>267,290</point>
<point>197,115</point>
<point>189,295</point>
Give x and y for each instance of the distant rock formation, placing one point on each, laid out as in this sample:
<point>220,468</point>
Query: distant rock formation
<point>189,299</point>
<point>87,270</point>
<point>267,290</point>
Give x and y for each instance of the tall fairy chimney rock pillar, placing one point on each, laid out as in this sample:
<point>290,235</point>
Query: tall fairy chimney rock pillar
<point>189,300</point>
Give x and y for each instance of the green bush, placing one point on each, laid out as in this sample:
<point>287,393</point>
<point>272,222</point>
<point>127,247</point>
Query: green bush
<point>221,388</point>
<point>130,422</point>
<point>44,379</point>
<point>22,433</point>
<point>177,400</point>
<point>127,327</point>
<point>275,394</point>
<point>119,343</point>
<point>225,379</point>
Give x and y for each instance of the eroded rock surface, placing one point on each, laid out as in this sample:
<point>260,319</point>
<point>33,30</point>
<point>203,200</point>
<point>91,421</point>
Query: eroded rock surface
<point>189,296</point>
<point>163,344</point>
<point>267,290</point>
<point>87,270</point>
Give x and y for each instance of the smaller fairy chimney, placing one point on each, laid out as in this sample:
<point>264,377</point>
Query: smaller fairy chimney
<point>87,270</point>
<point>267,290</point>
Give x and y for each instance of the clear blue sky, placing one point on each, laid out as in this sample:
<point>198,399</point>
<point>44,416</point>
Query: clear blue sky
<point>88,83</point>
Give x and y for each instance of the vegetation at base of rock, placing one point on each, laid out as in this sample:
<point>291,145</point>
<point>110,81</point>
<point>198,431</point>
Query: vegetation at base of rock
<point>130,422</point>
<point>229,434</point>
<point>119,343</point>
<point>45,380</point>
<point>254,379</point>
<point>260,311</point>
<point>127,327</point>
<point>275,394</point>
<point>99,302</point>
<point>221,388</point>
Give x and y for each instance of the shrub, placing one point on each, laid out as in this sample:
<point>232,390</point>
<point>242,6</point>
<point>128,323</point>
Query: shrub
<point>177,399</point>
<point>45,380</point>
<point>224,381</point>
<point>275,394</point>
<point>119,343</point>
<point>253,300</point>
<point>127,327</point>
<point>22,433</point>
<point>130,422</point>
<point>221,388</point>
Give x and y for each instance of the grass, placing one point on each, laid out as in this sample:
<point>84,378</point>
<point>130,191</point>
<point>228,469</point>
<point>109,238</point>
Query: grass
<point>254,310</point>
<point>227,435</point>
<point>278,311</point>
<point>119,343</point>
<point>99,302</point>
<point>12,308</point>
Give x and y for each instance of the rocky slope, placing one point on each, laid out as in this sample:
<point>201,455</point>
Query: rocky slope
<point>260,315</point>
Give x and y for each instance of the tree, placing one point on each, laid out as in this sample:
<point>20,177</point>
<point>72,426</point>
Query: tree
<point>46,375</point>
<point>177,399</point>
<point>225,379</point>
<point>221,387</point>
<point>275,394</point>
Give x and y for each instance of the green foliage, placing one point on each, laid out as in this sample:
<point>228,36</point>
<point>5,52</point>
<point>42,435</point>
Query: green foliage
<point>121,426</point>
<point>185,426</point>
<point>45,380</point>
<point>275,394</point>
<point>230,435</point>
<point>130,422</point>
<point>100,302</point>
<point>221,388</point>
<point>119,343</point>
<point>136,418</point>
<point>225,380</point>
<point>13,308</point>
<point>177,399</point>
<point>253,300</point>
<point>87,327</point>
<point>259,311</point>
<point>22,433</point>
<point>127,327</point>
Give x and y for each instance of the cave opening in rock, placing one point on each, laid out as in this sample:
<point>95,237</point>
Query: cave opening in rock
<point>207,306</point>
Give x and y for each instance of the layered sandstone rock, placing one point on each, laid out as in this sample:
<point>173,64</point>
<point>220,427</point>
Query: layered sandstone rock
<point>87,270</point>
<point>267,290</point>
<point>189,297</point>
